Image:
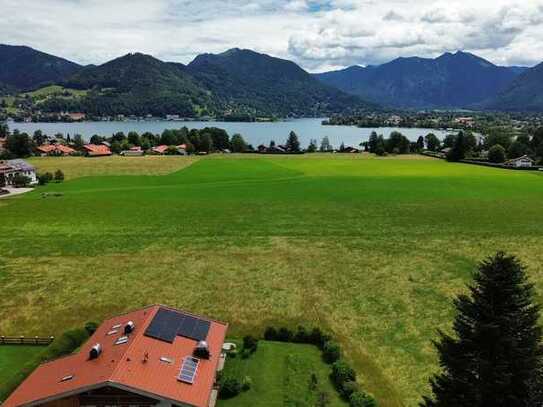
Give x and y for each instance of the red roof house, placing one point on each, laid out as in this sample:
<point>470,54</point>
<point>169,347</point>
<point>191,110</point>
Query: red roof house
<point>160,149</point>
<point>55,149</point>
<point>97,150</point>
<point>155,355</point>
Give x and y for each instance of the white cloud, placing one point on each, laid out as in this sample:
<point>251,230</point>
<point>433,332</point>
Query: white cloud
<point>318,34</point>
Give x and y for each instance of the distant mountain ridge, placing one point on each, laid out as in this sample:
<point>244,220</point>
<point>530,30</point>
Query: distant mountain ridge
<point>259,83</point>
<point>236,83</point>
<point>525,93</point>
<point>26,68</point>
<point>450,81</point>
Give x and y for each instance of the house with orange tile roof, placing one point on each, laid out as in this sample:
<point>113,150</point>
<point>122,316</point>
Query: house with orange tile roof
<point>160,149</point>
<point>54,149</point>
<point>97,150</point>
<point>155,356</point>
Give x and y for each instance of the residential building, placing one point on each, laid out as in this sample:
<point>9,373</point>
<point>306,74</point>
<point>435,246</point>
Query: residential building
<point>54,149</point>
<point>155,356</point>
<point>11,168</point>
<point>97,150</point>
<point>523,161</point>
<point>161,150</point>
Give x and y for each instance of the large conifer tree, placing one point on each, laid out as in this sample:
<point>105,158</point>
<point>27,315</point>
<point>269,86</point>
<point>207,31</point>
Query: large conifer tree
<point>494,357</point>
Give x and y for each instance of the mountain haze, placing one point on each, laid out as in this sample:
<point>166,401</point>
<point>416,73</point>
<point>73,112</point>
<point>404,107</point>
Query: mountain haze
<point>449,81</point>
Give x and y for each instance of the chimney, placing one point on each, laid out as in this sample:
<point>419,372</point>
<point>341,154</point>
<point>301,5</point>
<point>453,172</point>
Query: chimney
<point>129,327</point>
<point>95,351</point>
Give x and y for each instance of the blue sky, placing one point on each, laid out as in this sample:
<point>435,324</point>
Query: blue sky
<point>317,34</point>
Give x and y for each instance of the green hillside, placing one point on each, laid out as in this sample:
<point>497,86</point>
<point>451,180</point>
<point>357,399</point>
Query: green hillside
<point>373,250</point>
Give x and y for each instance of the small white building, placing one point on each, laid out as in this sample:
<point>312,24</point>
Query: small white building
<point>523,162</point>
<point>10,168</point>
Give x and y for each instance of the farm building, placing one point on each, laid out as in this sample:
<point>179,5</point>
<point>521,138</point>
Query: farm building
<point>11,168</point>
<point>523,161</point>
<point>54,149</point>
<point>155,356</point>
<point>133,152</point>
<point>97,150</point>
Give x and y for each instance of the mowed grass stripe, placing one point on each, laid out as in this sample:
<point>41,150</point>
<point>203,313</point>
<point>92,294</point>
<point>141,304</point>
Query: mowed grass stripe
<point>373,250</point>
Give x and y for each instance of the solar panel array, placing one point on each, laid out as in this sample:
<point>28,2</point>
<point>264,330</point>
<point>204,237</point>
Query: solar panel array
<point>188,370</point>
<point>167,324</point>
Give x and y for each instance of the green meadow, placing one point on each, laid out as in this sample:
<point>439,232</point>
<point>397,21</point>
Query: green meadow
<point>373,250</point>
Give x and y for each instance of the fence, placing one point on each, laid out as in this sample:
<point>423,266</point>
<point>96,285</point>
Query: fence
<point>23,340</point>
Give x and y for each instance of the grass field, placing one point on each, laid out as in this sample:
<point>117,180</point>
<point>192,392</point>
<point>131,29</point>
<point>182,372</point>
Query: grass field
<point>371,249</point>
<point>281,376</point>
<point>13,357</point>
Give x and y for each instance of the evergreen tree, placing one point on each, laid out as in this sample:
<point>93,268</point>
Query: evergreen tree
<point>238,143</point>
<point>459,149</point>
<point>325,144</point>
<point>420,143</point>
<point>494,358</point>
<point>432,142</point>
<point>293,144</point>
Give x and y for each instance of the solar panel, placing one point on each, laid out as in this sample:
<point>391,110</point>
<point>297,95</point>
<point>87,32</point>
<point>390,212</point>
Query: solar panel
<point>188,370</point>
<point>167,324</point>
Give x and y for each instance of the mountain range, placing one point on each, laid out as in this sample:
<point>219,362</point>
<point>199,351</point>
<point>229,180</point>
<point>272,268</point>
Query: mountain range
<point>459,80</point>
<point>244,83</point>
<point>236,83</point>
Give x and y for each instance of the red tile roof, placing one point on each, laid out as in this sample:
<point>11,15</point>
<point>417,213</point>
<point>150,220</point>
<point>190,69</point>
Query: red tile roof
<point>125,366</point>
<point>55,148</point>
<point>160,149</point>
<point>97,149</point>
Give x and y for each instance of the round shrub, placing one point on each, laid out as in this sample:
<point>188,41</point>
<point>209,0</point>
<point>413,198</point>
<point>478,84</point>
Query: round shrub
<point>361,399</point>
<point>250,344</point>
<point>331,352</point>
<point>342,373</point>
<point>496,154</point>
<point>229,387</point>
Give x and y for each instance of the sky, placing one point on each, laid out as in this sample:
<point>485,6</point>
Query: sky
<point>319,35</point>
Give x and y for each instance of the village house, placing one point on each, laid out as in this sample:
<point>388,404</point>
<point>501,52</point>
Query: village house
<point>155,356</point>
<point>9,169</point>
<point>520,162</point>
<point>97,150</point>
<point>161,150</point>
<point>76,117</point>
<point>182,149</point>
<point>55,150</point>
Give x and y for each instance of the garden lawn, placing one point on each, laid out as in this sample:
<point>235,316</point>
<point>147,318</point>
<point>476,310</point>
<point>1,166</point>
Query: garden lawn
<point>14,357</point>
<point>373,250</point>
<point>281,376</point>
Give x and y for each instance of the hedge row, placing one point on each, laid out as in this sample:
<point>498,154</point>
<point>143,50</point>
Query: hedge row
<point>68,342</point>
<point>343,375</point>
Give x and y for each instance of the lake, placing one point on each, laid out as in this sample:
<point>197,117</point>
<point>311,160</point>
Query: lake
<point>253,133</point>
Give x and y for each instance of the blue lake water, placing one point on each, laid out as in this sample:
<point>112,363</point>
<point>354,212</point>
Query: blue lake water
<point>254,133</point>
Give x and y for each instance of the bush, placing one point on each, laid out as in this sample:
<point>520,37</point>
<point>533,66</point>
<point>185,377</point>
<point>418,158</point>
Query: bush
<point>59,176</point>
<point>91,327</point>
<point>496,154</point>
<point>270,334</point>
<point>331,352</point>
<point>20,181</point>
<point>284,335</point>
<point>229,387</point>
<point>250,344</point>
<point>301,335</point>
<point>342,373</point>
<point>349,388</point>
<point>361,399</point>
